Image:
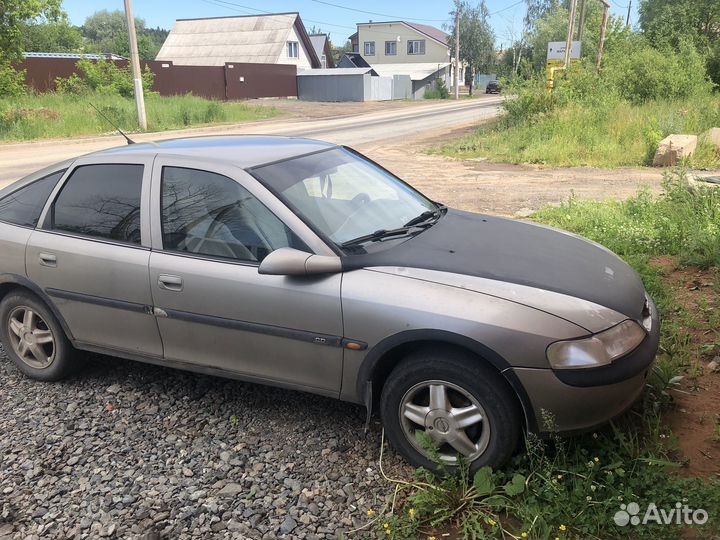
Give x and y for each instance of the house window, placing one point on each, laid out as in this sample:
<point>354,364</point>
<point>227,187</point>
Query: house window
<point>416,46</point>
<point>292,49</point>
<point>323,61</point>
<point>391,48</point>
<point>369,48</point>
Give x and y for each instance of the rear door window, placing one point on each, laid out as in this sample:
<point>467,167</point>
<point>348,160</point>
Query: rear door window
<point>24,206</point>
<point>100,201</point>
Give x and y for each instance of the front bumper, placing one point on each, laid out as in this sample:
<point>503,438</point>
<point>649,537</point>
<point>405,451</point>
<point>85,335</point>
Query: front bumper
<point>578,400</point>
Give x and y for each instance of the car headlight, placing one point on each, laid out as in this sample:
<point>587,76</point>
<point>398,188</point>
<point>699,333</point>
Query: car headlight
<point>598,350</point>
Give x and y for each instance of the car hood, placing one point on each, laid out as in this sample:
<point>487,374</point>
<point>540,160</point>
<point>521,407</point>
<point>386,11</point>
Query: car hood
<point>517,252</point>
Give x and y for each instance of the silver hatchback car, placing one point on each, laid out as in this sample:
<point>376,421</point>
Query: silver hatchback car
<point>302,264</point>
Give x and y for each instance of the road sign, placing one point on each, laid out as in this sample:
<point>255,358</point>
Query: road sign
<point>556,52</point>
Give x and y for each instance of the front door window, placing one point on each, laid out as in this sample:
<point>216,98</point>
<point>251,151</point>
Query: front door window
<point>209,214</point>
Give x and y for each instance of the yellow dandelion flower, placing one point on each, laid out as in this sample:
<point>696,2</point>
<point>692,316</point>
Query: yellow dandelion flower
<point>563,528</point>
<point>492,522</point>
<point>524,535</point>
<point>431,538</point>
<point>388,532</point>
<point>386,525</point>
<point>371,513</point>
<point>596,459</point>
<point>559,476</point>
<point>412,513</point>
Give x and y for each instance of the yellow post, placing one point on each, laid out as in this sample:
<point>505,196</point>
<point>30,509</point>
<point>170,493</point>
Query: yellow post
<point>551,69</point>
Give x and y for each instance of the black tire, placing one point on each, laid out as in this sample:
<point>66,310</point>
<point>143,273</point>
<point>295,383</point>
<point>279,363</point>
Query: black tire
<point>62,363</point>
<point>469,373</point>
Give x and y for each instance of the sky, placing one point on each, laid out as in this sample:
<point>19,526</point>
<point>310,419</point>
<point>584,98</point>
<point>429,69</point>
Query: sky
<point>335,17</point>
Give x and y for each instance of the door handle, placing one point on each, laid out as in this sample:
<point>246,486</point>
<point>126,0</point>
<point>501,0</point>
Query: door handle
<point>170,283</point>
<point>48,259</point>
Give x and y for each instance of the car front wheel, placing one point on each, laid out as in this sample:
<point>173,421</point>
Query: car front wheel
<point>462,406</point>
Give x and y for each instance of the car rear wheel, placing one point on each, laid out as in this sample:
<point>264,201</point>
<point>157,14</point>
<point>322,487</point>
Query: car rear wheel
<point>33,338</point>
<point>463,406</point>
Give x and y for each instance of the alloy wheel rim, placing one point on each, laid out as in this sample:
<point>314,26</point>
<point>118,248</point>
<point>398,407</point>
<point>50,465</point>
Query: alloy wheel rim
<point>454,420</point>
<point>31,338</point>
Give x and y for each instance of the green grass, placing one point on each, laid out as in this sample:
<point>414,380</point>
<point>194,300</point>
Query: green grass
<point>684,221</point>
<point>572,488</point>
<point>610,134</point>
<point>63,115</point>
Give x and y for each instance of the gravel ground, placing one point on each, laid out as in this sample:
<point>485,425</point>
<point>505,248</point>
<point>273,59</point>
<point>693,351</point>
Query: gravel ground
<point>127,450</point>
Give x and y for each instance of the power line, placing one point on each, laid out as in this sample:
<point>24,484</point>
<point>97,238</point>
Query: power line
<point>618,5</point>
<point>506,8</point>
<point>233,6</point>
<point>396,17</point>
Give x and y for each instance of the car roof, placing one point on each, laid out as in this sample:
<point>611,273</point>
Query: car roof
<point>244,151</point>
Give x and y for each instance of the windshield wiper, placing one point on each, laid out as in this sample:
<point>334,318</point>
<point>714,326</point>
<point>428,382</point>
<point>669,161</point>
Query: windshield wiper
<point>423,221</point>
<point>380,234</point>
<point>426,216</point>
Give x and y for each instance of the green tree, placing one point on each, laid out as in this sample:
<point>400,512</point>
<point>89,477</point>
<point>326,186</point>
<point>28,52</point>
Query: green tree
<point>477,40</point>
<point>106,32</point>
<point>52,36</point>
<point>552,25</point>
<point>513,58</point>
<point>15,15</point>
<point>669,23</point>
<point>342,50</point>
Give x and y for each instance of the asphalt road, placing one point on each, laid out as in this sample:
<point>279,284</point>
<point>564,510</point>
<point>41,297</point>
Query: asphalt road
<point>398,125</point>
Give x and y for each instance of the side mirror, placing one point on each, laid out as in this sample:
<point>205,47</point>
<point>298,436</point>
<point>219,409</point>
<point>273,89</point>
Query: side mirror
<point>293,262</point>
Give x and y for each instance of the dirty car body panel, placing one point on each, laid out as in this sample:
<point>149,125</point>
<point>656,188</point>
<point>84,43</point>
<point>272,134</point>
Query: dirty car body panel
<point>267,259</point>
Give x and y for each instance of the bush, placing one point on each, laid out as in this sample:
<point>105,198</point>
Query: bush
<point>642,73</point>
<point>634,72</point>
<point>440,91</point>
<point>12,82</point>
<point>531,99</point>
<point>104,77</point>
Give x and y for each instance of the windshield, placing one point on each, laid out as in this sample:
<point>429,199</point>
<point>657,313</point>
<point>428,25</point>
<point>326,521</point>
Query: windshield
<point>344,196</point>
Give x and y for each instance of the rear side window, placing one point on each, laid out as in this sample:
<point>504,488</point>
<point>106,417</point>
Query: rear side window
<point>101,201</point>
<point>23,207</point>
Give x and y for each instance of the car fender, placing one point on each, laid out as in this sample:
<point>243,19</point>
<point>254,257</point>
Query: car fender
<point>377,353</point>
<point>25,283</point>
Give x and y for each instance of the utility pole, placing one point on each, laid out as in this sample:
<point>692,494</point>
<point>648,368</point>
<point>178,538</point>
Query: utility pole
<point>627,21</point>
<point>457,50</point>
<point>135,62</point>
<point>571,31</point>
<point>581,27</point>
<point>603,30</point>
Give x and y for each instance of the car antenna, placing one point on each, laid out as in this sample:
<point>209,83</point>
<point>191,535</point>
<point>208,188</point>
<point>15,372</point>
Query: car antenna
<point>128,139</point>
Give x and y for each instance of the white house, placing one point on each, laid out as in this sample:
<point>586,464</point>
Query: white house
<point>404,48</point>
<point>278,38</point>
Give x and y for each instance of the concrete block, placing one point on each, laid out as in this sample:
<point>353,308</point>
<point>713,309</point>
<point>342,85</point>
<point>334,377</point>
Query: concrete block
<point>673,149</point>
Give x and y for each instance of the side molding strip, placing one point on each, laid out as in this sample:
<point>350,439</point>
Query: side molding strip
<point>99,301</point>
<point>245,326</point>
<point>256,328</point>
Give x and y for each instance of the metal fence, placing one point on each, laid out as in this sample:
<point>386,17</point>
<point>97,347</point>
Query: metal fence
<point>232,81</point>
